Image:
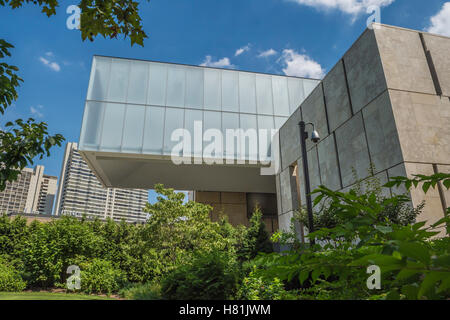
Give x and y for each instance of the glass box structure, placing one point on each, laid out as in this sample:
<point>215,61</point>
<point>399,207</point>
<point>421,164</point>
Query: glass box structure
<point>133,108</point>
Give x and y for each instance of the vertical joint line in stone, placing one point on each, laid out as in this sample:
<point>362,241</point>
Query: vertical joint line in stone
<point>440,190</point>
<point>367,140</point>
<point>325,105</point>
<point>431,66</point>
<point>348,88</point>
<point>338,161</point>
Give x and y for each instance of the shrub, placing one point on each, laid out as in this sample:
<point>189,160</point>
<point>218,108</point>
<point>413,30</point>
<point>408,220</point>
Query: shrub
<point>52,247</point>
<point>256,239</point>
<point>211,276</point>
<point>10,279</point>
<point>255,287</point>
<point>100,276</point>
<point>145,291</point>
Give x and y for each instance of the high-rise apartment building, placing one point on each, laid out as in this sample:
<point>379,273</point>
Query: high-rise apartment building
<point>32,192</point>
<point>80,193</point>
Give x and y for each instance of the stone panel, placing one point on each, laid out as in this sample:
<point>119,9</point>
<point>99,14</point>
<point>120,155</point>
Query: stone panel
<point>403,58</point>
<point>234,197</point>
<point>290,140</point>
<point>207,197</point>
<point>439,48</point>
<point>329,170</point>
<point>433,210</point>
<point>384,144</point>
<point>314,174</point>
<point>336,96</point>
<point>423,126</point>
<point>237,213</point>
<point>352,149</point>
<point>284,221</point>
<point>286,194</point>
<point>313,110</point>
<point>364,71</point>
<point>398,171</point>
<point>445,169</point>
<point>277,185</point>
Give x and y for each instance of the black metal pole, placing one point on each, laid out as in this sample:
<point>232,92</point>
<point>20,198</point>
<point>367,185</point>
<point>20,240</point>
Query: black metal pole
<point>303,137</point>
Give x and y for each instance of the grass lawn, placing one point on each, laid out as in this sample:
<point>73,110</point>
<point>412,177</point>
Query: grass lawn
<point>48,296</point>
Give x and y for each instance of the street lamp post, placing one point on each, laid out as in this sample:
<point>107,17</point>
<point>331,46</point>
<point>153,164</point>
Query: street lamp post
<point>314,138</point>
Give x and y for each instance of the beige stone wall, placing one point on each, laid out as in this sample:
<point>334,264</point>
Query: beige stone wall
<point>233,205</point>
<point>383,104</point>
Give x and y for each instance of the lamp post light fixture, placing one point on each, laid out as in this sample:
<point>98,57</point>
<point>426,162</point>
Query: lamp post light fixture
<point>314,138</point>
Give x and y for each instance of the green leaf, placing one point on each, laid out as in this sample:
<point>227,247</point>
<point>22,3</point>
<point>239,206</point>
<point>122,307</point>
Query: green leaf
<point>429,284</point>
<point>304,274</point>
<point>410,291</point>
<point>415,250</point>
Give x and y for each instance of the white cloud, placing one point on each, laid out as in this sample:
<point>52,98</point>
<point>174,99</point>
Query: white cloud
<point>353,7</point>
<point>440,23</point>
<point>242,50</point>
<point>267,53</point>
<point>300,65</point>
<point>221,63</point>
<point>49,54</point>
<point>52,65</point>
<point>37,111</point>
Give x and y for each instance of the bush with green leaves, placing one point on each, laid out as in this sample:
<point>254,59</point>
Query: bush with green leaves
<point>209,276</point>
<point>100,276</point>
<point>414,263</point>
<point>10,279</point>
<point>254,287</point>
<point>175,230</point>
<point>255,238</point>
<point>142,291</point>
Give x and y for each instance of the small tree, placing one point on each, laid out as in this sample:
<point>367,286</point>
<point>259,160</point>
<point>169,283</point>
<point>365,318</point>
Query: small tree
<point>256,238</point>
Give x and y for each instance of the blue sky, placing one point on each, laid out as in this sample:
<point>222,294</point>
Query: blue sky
<point>295,37</point>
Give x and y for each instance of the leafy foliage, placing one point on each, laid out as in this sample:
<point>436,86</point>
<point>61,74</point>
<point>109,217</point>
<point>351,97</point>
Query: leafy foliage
<point>414,263</point>
<point>100,276</point>
<point>255,238</point>
<point>9,80</point>
<point>10,279</point>
<point>255,287</point>
<point>108,18</point>
<point>212,275</point>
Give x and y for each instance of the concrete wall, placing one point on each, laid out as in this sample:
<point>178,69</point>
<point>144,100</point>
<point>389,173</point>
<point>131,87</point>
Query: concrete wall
<point>382,104</point>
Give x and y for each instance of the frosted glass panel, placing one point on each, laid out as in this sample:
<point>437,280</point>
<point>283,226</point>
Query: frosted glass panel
<point>190,117</point>
<point>137,88</point>
<point>157,85</point>
<point>265,126</point>
<point>194,88</point>
<point>264,99</point>
<point>176,84</point>
<point>230,91</point>
<point>118,80</point>
<point>212,120</point>
<point>279,122</point>
<point>213,89</point>
<point>98,84</point>
<point>134,128</point>
<point>112,127</point>
<point>230,121</point>
<point>247,100</point>
<point>280,96</point>
<point>154,130</point>
<point>174,120</point>
<point>309,86</point>
<point>296,93</point>
<point>93,115</point>
<point>250,138</point>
